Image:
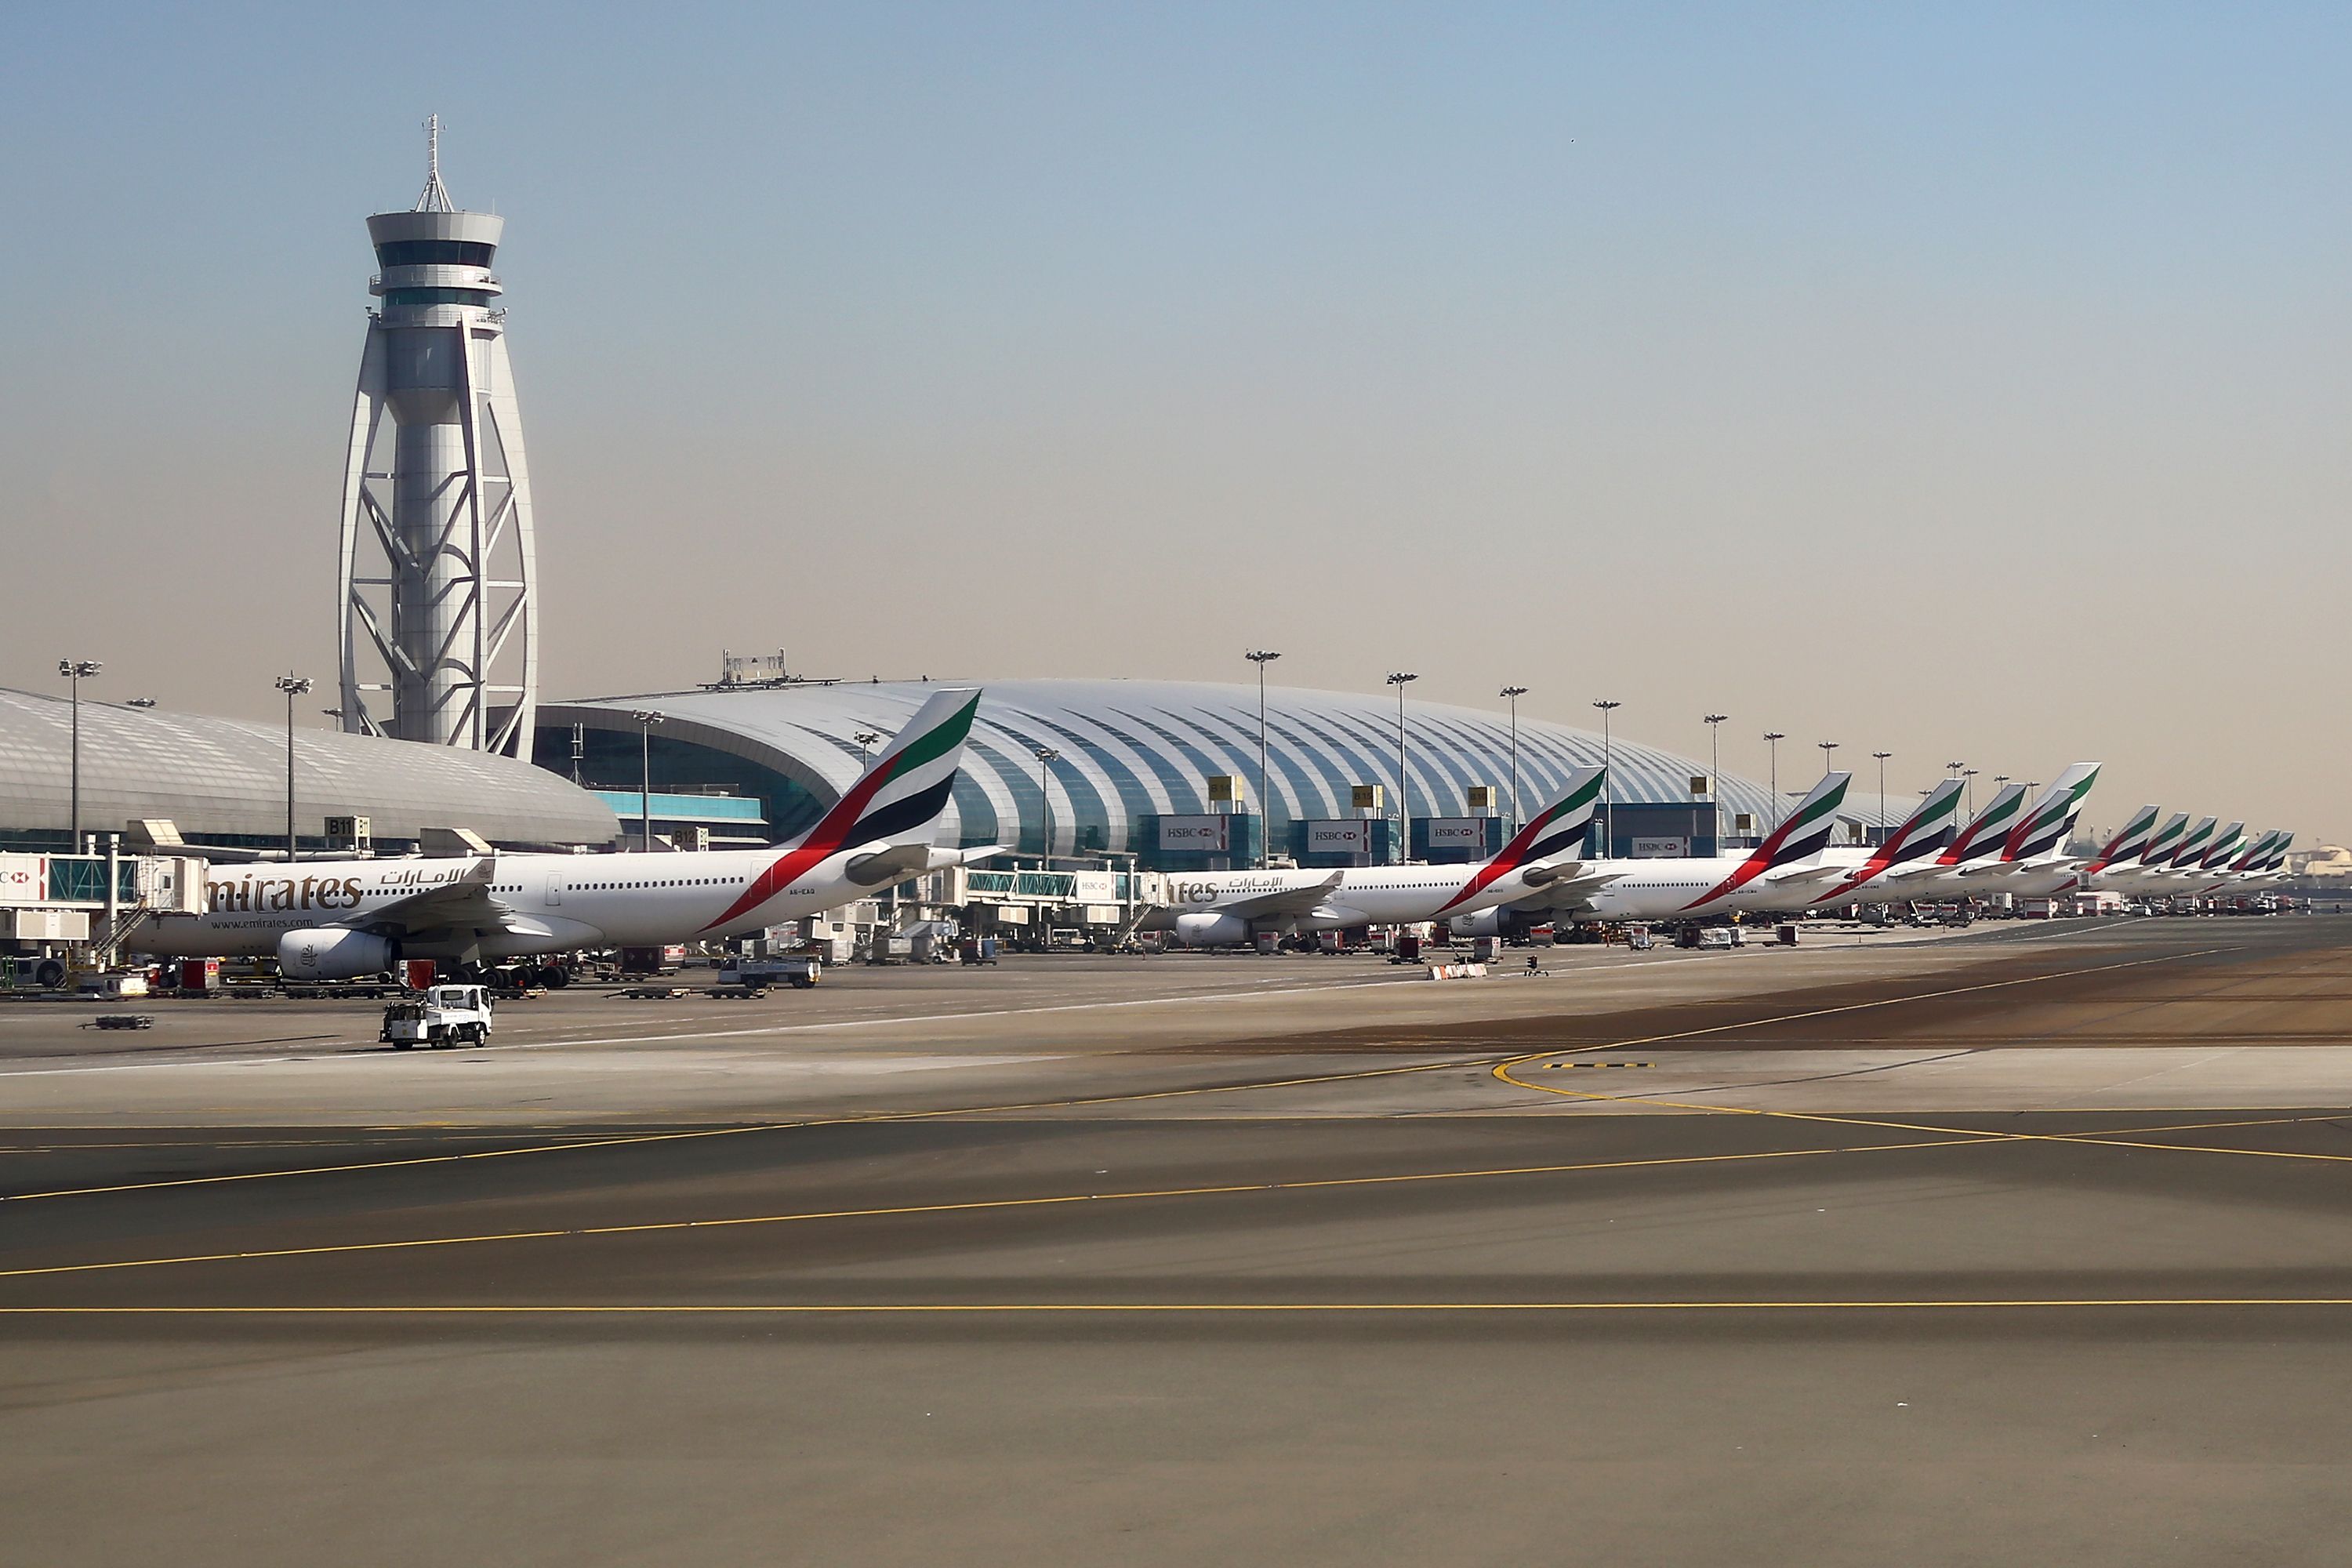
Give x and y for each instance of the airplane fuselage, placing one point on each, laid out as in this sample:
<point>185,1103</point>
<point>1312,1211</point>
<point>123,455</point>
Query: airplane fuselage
<point>561,902</point>
<point>1370,895</point>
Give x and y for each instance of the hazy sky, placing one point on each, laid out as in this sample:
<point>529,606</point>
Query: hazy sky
<point>1966,385</point>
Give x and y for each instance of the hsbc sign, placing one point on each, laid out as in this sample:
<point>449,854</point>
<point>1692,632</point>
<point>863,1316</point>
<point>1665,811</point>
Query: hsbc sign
<point>24,878</point>
<point>1210,834</point>
<point>1339,836</point>
<point>1456,832</point>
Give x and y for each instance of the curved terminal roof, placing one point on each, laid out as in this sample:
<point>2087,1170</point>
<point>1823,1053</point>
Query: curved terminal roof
<point>226,778</point>
<point>1135,748</point>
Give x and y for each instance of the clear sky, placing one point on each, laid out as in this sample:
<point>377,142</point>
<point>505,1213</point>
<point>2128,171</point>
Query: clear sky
<point>1965,382</point>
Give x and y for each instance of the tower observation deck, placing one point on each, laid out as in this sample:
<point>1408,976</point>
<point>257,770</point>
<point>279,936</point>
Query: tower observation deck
<point>438,599</point>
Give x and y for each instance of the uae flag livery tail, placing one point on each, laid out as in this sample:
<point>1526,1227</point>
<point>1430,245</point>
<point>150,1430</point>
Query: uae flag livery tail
<point>2128,846</point>
<point>1805,834</point>
<point>1922,836</point>
<point>1558,830</point>
<point>2043,830</point>
<point>896,802</point>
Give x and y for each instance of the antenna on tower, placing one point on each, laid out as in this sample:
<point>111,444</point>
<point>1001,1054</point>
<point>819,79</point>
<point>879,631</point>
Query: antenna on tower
<point>435,197</point>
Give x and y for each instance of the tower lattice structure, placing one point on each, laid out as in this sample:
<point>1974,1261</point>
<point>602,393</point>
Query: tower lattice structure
<point>438,594</point>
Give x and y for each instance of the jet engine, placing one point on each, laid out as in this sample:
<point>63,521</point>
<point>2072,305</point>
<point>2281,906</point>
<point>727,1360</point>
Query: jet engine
<point>1212,930</point>
<point>333,952</point>
<point>1486,922</point>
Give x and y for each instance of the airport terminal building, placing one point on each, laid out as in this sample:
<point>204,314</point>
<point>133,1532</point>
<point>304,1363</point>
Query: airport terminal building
<point>222,782</point>
<point>1130,767</point>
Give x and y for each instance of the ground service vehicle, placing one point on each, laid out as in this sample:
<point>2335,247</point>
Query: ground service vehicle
<point>755,974</point>
<point>445,1015</point>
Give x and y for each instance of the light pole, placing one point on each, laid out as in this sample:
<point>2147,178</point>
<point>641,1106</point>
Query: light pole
<point>293,686</point>
<point>1401,678</point>
<point>865,740</point>
<point>1262,657</point>
<point>1714,723</point>
<point>74,669</point>
<point>1882,757</point>
<point>1608,783</point>
<point>1827,747</point>
<point>1512,695</point>
<point>1969,790</point>
<point>1773,738</point>
<point>1044,797</point>
<point>646,719</point>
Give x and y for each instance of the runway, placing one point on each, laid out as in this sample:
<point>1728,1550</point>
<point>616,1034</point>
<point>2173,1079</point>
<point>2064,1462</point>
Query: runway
<point>2033,1245</point>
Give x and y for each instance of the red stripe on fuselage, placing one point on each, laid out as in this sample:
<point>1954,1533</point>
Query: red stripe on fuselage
<point>827,837</point>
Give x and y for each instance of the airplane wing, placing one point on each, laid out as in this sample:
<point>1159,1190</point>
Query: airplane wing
<point>1571,893</point>
<point>1551,873</point>
<point>1792,875</point>
<point>463,905</point>
<point>1303,900</point>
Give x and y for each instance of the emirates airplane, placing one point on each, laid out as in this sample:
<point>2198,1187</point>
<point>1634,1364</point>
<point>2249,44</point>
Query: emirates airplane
<point>2106,869</point>
<point>2033,862</point>
<point>1698,886</point>
<point>1220,909</point>
<point>2136,870</point>
<point>2211,872</point>
<point>1923,836</point>
<point>336,920</point>
<point>2265,863</point>
<point>1978,841</point>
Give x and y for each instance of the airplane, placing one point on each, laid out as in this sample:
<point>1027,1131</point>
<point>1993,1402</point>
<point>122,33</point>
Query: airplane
<point>2115,856</point>
<point>1217,908</point>
<point>2139,873</point>
<point>2270,867</point>
<point>1981,838</point>
<point>325,920</point>
<point>2229,843</point>
<point>2033,862</point>
<point>1697,886</point>
<point>2210,873</point>
<point>2187,855</point>
<point>1923,834</point>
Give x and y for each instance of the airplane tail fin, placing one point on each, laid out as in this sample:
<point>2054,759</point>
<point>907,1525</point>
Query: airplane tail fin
<point>2164,842</point>
<point>1927,829</point>
<point>2225,846</point>
<point>1557,830</point>
<point>2043,830</point>
<point>2277,861</point>
<point>895,805</point>
<point>1807,832</point>
<point>1925,832</point>
<point>1803,836</point>
<point>899,796</point>
<point>2190,852</point>
<point>1989,832</point>
<point>2126,847</point>
<point>2255,855</point>
<point>1559,827</point>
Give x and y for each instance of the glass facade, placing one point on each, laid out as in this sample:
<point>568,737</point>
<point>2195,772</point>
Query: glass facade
<point>434,253</point>
<point>1122,754</point>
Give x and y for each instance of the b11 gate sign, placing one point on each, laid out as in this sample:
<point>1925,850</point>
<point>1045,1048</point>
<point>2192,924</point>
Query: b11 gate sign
<point>1197,834</point>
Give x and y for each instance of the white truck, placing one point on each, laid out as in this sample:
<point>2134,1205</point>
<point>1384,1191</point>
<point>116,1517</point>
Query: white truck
<point>445,1016</point>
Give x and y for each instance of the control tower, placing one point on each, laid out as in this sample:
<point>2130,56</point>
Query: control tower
<point>439,582</point>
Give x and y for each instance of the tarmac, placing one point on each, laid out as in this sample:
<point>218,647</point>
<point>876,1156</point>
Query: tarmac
<point>2027,1242</point>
